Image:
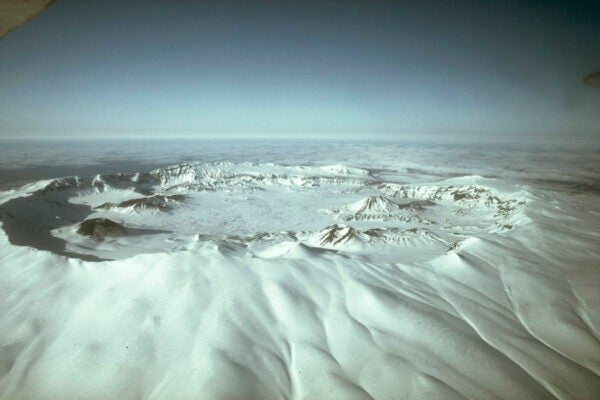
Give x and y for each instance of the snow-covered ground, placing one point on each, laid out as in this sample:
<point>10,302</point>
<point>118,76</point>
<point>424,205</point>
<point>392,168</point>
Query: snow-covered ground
<point>335,271</point>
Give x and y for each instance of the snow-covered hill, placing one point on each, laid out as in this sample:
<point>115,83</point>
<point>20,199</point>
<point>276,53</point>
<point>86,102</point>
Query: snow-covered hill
<point>259,280</point>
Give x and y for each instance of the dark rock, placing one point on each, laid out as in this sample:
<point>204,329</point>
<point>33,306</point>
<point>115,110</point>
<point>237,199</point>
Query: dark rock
<point>99,228</point>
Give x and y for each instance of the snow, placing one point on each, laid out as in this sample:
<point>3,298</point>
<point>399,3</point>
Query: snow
<point>265,279</point>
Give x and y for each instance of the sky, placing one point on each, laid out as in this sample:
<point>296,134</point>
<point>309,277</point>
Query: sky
<point>303,69</point>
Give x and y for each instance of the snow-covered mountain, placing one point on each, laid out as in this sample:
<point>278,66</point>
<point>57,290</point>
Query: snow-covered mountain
<point>154,202</point>
<point>264,280</point>
<point>226,199</point>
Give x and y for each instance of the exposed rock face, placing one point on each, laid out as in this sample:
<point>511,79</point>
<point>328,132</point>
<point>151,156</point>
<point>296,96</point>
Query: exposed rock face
<point>99,228</point>
<point>156,202</point>
<point>374,204</point>
<point>227,200</point>
<point>381,208</point>
<point>338,234</point>
<point>344,236</point>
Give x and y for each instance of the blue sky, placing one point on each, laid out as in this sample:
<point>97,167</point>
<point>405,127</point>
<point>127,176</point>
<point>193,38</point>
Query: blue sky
<point>327,69</point>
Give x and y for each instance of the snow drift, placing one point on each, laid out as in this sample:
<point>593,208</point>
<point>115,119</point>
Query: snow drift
<point>267,281</point>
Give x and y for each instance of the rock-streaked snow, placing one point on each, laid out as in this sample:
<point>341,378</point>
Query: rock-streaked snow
<point>266,280</point>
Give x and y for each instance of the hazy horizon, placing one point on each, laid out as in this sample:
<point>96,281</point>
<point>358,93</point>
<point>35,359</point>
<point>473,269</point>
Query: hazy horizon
<point>292,200</point>
<point>338,70</point>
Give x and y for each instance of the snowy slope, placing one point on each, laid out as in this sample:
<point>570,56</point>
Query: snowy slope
<point>275,281</point>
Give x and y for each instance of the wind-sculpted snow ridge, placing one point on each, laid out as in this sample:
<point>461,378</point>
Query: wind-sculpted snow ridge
<point>267,281</point>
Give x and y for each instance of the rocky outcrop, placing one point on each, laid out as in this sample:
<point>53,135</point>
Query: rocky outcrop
<point>99,228</point>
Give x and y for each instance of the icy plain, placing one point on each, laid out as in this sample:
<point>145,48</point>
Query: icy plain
<point>300,271</point>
